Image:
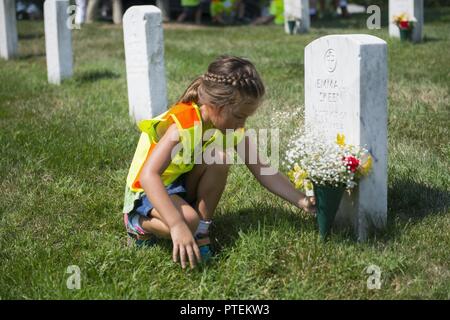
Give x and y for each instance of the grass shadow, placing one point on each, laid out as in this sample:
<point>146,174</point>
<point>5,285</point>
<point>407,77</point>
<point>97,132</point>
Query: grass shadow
<point>226,228</point>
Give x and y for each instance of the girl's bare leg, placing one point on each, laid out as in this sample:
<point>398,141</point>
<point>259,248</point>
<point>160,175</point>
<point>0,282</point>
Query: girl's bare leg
<point>205,184</point>
<point>155,223</point>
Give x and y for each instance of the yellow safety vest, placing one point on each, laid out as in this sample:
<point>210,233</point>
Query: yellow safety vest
<point>189,123</point>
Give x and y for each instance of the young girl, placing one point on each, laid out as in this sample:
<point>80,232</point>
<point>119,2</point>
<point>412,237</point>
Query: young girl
<point>174,199</point>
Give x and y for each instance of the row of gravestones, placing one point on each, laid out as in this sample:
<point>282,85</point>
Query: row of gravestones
<point>56,17</point>
<point>58,37</point>
<point>345,92</point>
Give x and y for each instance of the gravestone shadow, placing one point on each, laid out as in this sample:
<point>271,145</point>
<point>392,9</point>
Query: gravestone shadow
<point>427,39</point>
<point>94,75</point>
<point>32,56</point>
<point>357,20</point>
<point>31,36</point>
<point>412,201</point>
<point>435,15</point>
<point>408,203</point>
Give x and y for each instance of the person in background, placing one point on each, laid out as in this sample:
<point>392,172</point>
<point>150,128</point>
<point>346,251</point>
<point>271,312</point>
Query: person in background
<point>336,3</point>
<point>117,10</point>
<point>343,5</point>
<point>223,11</point>
<point>241,11</point>
<point>28,10</point>
<point>313,9</point>
<point>191,8</point>
<point>272,11</point>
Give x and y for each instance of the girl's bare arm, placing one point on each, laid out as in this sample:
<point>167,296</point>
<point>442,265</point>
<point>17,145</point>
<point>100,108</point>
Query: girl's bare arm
<point>182,238</point>
<point>272,179</point>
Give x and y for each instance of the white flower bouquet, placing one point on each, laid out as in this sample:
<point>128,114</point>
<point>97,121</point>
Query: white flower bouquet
<point>325,170</point>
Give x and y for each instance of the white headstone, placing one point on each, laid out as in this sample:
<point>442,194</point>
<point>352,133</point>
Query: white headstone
<point>58,40</point>
<point>413,8</point>
<point>144,54</point>
<point>297,10</point>
<point>346,92</point>
<point>8,29</point>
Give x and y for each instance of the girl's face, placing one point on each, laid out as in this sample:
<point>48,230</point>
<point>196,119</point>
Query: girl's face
<point>230,118</point>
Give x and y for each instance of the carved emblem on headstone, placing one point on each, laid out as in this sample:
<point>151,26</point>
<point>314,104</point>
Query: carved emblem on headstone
<point>330,60</point>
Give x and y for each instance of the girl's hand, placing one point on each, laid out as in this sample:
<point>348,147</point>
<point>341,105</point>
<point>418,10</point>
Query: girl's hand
<point>308,204</point>
<point>184,244</point>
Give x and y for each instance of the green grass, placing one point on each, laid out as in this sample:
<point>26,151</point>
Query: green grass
<point>66,151</point>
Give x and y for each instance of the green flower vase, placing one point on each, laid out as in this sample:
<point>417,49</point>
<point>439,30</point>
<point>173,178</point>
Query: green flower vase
<point>291,26</point>
<point>405,34</point>
<point>327,203</point>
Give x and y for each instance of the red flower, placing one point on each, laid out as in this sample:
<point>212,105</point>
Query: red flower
<point>404,24</point>
<point>351,162</point>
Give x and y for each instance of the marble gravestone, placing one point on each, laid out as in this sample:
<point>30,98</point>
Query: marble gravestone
<point>58,40</point>
<point>297,10</point>
<point>413,8</point>
<point>346,92</point>
<point>8,29</point>
<point>144,55</point>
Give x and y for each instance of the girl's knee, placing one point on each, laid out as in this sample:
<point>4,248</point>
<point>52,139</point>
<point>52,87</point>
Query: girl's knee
<point>220,168</point>
<point>192,219</point>
<point>190,216</point>
<point>222,165</point>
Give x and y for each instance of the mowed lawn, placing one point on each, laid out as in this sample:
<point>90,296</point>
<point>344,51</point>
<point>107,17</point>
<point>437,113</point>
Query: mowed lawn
<point>65,152</point>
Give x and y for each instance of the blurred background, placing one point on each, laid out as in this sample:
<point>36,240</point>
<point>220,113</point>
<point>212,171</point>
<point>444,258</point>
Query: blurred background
<point>215,12</point>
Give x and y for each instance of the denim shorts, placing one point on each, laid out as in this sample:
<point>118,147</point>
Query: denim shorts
<point>143,206</point>
<point>178,187</point>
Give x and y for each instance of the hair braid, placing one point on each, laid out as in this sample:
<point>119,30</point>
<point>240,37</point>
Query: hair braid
<point>229,81</point>
<point>243,81</point>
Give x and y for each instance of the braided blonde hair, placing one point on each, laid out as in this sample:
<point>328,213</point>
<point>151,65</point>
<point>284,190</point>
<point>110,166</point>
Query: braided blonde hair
<point>230,81</point>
